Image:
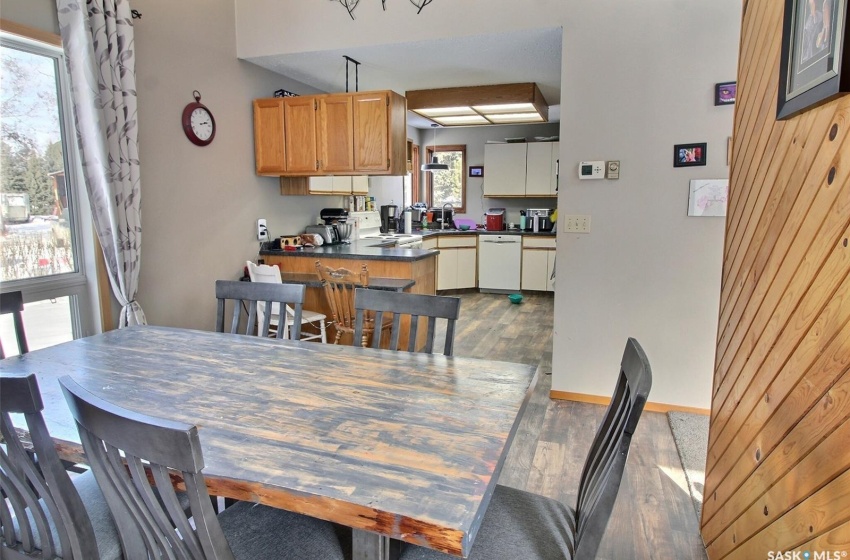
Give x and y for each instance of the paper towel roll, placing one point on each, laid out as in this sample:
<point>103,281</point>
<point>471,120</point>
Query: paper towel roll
<point>408,221</point>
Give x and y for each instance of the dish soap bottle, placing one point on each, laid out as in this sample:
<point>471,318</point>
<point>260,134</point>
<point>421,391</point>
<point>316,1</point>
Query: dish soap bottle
<point>424,220</point>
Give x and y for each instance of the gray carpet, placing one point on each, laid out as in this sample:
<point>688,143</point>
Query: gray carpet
<point>690,431</point>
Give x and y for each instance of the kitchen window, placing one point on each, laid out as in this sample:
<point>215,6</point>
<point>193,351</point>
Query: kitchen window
<point>44,251</point>
<point>448,186</point>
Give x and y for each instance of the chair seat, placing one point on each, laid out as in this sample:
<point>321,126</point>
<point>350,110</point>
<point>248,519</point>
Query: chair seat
<point>517,524</point>
<point>258,531</point>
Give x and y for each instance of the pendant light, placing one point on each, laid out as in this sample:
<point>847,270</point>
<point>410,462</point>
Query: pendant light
<point>435,164</point>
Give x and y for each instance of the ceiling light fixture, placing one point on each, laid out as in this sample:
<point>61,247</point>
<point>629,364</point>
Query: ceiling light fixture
<point>350,5</point>
<point>434,164</point>
<point>480,105</point>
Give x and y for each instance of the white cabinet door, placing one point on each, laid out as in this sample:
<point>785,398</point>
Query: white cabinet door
<point>535,269</point>
<point>466,267</point>
<point>538,175</point>
<point>504,169</point>
<point>550,283</point>
<point>321,185</point>
<point>555,168</point>
<point>341,184</point>
<point>447,269</point>
<point>360,184</point>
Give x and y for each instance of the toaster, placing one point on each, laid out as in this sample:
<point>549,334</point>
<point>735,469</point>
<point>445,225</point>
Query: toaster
<point>327,232</point>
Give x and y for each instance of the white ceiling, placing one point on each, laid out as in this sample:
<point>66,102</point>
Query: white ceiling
<point>520,56</point>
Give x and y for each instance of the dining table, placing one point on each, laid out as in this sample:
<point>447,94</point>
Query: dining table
<point>398,446</point>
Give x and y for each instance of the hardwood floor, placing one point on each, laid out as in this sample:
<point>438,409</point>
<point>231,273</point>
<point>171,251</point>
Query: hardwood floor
<point>653,517</point>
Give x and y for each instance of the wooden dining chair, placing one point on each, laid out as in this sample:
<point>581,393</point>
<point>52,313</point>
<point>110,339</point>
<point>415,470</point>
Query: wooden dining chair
<point>271,275</point>
<point>339,285</point>
<point>13,302</point>
<point>125,448</point>
<point>519,524</point>
<point>45,514</point>
<point>414,306</point>
<point>248,295</point>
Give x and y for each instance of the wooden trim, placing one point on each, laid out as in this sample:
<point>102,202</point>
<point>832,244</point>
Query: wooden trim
<point>30,32</point>
<point>104,286</point>
<point>650,406</point>
<point>429,179</point>
<point>478,95</point>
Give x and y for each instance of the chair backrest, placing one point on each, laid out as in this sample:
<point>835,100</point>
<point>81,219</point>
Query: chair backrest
<point>249,294</point>
<point>339,285</point>
<point>38,495</point>
<point>270,275</point>
<point>13,302</point>
<point>124,448</point>
<point>412,305</point>
<point>603,469</point>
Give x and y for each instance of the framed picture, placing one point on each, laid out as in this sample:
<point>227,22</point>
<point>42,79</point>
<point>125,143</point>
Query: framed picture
<point>724,94</point>
<point>689,155</point>
<point>708,197</point>
<point>814,66</point>
<point>476,170</point>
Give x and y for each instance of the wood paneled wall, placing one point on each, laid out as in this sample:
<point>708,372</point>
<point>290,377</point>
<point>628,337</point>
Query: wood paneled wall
<point>778,472</point>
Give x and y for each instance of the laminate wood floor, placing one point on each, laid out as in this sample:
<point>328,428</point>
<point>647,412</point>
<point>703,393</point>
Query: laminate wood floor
<point>653,517</point>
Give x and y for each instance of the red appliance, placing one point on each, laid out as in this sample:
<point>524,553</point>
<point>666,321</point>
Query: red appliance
<point>495,219</point>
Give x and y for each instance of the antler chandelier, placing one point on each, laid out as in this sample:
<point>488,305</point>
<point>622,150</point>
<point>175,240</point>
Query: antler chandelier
<point>350,5</point>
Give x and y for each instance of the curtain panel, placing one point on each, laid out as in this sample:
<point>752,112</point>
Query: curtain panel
<point>97,36</point>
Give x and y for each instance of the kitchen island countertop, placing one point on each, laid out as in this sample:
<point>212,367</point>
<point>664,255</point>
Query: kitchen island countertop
<point>356,251</point>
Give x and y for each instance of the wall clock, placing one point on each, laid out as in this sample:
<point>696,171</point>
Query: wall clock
<point>198,122</point>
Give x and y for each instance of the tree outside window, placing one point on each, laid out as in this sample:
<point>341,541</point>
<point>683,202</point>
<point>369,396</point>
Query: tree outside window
<point>448,186</point>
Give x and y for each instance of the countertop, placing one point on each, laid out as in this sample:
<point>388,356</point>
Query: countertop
<point>357,250</point>
<point>435,232</point>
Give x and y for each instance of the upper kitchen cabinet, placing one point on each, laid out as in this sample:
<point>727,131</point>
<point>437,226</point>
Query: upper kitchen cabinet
<point>521,169</point>
<point>299,115</point>
<point>268,136</point>
<point>335,133</point>
<point>345,133</point>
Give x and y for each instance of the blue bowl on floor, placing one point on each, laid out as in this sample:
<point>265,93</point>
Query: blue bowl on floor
<point>515,298</point>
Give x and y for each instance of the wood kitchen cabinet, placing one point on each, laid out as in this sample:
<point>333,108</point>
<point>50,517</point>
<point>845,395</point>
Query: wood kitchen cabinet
<point>521,169</point>
<point>538,262</point>
<point>456,263</point>
<point>362,133</point>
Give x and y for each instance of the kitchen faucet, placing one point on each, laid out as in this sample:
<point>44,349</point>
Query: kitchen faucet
<point>449,204</point>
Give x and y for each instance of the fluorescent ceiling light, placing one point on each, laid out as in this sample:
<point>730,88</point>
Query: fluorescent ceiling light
<point>480,105</point>
<point>464,119</point>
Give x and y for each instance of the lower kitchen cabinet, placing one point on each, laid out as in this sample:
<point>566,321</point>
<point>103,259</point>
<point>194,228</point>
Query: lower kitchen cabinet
<point>456,263</point>
<point>538,262</point>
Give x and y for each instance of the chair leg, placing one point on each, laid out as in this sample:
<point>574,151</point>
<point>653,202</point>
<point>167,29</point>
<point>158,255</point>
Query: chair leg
<point>338,336</point>
<point>323,330</point>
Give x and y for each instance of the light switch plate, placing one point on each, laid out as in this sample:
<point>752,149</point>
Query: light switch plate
<point>577,223</point>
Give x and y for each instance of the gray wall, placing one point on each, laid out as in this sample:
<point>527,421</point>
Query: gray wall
<point>637,77</point>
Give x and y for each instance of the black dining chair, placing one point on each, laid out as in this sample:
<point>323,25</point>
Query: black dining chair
<point>248,295</point>
<point>125,448</point>
<point>13,302</point>
<point>45,514</point>
<point>414,306</point>
<point>519,524</point>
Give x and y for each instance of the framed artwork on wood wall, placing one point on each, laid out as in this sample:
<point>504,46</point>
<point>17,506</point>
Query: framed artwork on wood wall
<point>814,66</point>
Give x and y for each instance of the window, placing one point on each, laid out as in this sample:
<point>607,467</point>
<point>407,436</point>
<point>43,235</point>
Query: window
<point>41,249</point>
<point>448,186</point>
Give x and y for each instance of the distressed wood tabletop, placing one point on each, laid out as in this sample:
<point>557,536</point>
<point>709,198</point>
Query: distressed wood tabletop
<point>408,446</point>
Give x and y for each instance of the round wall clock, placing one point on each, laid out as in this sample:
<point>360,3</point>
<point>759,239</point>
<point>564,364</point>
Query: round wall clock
<point>198,122</point>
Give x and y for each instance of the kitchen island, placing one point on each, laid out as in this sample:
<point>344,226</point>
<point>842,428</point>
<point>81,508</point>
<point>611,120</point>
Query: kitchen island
<point>418,265</point>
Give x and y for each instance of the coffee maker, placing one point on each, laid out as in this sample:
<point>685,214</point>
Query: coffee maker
<point>389,218</point>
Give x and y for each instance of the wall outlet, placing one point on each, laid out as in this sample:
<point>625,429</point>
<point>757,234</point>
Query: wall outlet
<point>262,230</point>
<point>577,223</point>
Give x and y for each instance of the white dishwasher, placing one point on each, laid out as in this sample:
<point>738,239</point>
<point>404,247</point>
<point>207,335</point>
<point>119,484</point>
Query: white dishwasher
<point>499,258</point>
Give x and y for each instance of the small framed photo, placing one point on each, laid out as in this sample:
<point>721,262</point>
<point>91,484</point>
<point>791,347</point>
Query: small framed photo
<point>724,94</point>
<point>708,197</point>
<point>813,65</point>
<point>690,155</point>
<point>476,170</point>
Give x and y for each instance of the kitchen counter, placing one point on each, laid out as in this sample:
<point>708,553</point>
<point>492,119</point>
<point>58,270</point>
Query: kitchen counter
<point>430,233</point>
<point>356,250</point>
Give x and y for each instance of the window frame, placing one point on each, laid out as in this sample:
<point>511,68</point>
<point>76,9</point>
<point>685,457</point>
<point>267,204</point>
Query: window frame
<point>430,190</point>
<point>80,285</point>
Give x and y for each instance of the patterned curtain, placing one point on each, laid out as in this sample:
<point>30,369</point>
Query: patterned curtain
<point>98,39</point>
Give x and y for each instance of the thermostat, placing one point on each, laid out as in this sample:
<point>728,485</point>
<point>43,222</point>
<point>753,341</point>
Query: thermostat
<point>591,170</point>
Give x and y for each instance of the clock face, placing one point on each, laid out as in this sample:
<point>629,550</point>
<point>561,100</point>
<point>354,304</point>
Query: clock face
<point>202,123</point>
